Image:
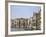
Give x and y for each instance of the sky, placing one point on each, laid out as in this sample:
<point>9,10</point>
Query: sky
<point>18,11</point>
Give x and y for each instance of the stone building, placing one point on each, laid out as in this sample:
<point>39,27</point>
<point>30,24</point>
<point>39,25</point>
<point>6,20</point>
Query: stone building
<point>22,23</point>
<point>32,23</point>
<point>12,23</point>
<point>36,20</point>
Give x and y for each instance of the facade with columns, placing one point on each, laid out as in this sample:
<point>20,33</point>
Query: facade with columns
<point>21,23</point>
<point>28,23</point>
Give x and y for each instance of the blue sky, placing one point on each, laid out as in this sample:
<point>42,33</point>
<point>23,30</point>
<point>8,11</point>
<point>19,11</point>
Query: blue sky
<point>23,11</point>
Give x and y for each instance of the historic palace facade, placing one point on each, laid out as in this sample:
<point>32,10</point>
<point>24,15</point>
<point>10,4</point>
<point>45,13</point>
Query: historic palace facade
<point>21,23</point>
<point>32,23</point>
